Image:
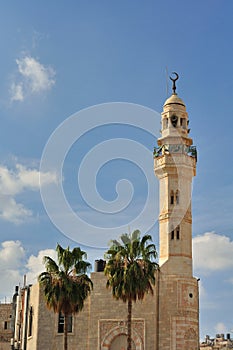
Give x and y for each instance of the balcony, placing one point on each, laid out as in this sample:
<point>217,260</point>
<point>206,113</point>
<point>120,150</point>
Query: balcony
<point>171,149</point>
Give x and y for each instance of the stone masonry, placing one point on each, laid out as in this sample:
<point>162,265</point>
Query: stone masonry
<point>6,332</point>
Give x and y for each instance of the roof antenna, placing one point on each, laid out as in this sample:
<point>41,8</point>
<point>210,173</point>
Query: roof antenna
<point>174,82</point>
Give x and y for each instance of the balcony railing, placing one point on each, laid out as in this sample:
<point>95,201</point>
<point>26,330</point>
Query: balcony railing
<point>180,148</point>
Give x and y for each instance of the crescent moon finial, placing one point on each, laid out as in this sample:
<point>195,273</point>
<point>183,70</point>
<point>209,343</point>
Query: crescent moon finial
<point>174,81</point>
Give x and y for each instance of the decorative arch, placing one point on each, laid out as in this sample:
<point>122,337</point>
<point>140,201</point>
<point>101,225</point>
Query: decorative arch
<point>121,329</point>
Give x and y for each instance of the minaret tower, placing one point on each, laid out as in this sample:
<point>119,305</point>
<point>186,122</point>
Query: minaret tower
<point>175,166</point>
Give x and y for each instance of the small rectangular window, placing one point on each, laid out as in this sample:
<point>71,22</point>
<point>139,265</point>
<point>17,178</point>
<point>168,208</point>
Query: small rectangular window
<point>61,320</point>
<point>177,233</point>
<point>5,325</point>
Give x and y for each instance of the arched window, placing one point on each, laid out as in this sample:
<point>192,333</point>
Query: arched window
<point>120,343</point>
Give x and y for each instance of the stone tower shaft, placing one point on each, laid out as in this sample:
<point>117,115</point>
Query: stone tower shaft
<point>175,166</point>
<point>177,290</point>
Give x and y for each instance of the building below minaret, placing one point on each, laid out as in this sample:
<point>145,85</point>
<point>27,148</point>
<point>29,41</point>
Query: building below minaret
<point>166,320</point>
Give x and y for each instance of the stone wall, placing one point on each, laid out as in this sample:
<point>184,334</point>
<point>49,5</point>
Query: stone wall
<point>102,320</point>
<point>5,326</point>
<point>178,313</point>
<point>167,320</point>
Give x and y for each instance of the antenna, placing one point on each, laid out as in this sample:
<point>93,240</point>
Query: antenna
<point>24,280</point>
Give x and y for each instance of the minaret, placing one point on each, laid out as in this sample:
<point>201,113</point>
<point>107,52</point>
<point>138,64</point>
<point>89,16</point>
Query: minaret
<point>175,165</point>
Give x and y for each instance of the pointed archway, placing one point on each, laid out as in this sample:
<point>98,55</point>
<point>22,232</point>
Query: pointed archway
<point>114,336</point>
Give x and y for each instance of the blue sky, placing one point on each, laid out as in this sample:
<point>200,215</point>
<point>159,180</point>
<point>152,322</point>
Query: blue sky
<point>62,57</point>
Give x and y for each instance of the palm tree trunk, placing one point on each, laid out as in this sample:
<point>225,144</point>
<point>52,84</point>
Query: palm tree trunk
<point>129,339</point>
<point>65,331</point>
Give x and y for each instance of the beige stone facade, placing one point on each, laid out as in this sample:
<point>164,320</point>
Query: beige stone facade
<point>175,169</point>
<point>166,320</point>
<point>178,296</point>
<point>101,323</point>
<point>5,326</point>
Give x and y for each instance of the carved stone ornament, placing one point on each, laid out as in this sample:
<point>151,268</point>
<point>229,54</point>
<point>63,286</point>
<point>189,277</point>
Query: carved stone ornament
<point>190,334</point>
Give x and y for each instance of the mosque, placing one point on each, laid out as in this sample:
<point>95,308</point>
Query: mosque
<point>166,320</point>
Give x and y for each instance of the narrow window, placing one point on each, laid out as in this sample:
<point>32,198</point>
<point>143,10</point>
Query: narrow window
<point>172,197</point>
<point>172,234</point>
<point>183,123</point>
<point>70,321</point>
<point>61,323</point>
<point>174,120</point>
<point>178,232</point>
<point>177,197</point>
<point>30,322</point>
<point>5,325</point>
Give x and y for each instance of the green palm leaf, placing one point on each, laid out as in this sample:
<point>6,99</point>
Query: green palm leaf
<point>66,284</point>
<point>130,270</point>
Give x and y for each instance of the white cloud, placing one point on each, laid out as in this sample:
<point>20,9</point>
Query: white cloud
<point>11,253</point>
<point>12,259</point>
<point>16,91</point>
<point>202,290</point>
<point>35,264</point>
<point>15,181</point>
<point>14,265</point>
<point>33,77</point>
<point>12,211</point>
<point>212,252</point>
<point>220,328</point>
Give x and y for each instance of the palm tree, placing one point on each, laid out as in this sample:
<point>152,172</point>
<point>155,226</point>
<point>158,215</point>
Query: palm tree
<point>130,270</point>
<point>66,284</point>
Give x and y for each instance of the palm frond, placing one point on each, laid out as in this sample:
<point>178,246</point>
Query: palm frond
<point>66,285</point>
<point>131,267</point>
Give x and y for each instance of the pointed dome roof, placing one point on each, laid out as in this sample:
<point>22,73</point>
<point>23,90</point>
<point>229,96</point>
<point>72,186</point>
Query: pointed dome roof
<point>174,99</point>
